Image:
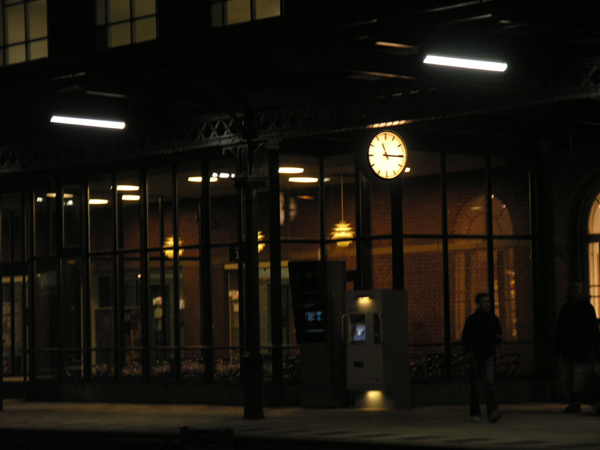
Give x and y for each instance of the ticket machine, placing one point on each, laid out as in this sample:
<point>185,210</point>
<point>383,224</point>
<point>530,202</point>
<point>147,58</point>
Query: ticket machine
<point>375,327</point>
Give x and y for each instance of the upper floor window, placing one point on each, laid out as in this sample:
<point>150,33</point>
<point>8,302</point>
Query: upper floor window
<point>127,21</point>
<point>230,12</point>
<point>23,31</point>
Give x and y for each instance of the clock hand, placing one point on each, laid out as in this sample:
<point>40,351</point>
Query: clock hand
<point>384,152</point>
<point>394,156</point>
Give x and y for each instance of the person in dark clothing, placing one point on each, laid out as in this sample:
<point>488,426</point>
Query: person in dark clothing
<point>576,337</point>
<point>481,334</point>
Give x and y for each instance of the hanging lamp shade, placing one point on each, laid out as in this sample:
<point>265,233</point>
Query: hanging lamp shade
<point>342,232</point>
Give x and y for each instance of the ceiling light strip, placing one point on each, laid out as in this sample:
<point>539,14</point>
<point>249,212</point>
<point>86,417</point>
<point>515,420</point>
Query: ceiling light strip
<point>465,63</point>
<point>88,122</point>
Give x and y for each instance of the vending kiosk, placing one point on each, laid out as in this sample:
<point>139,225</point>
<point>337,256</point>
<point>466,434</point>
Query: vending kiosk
<point>318,294</point>
<point>375,328</point>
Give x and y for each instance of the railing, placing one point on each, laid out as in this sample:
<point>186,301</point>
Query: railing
<point>426,362</point>
<point>191,363</point>
<point>431,362</point>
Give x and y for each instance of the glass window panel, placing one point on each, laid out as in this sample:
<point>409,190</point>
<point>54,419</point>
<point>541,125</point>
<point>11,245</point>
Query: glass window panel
<point>164,313</point>
<point>466,194</point>
<point>12,227</point>
<point>594,272</point>
<point>45,220</point>
<point>594,217</point>
<point>144,29</point>
<point>161,300</point>
<point>424,282</point>
<point>131,316</point>
<point>72,304</point>
<point>220,285</point>
<point>423,279</point>
<point>300,252</point>
<point>268,8</point>
<point>377,220</point>
<point>422,194</point>
<point>15,20</point>
<point>514,288</point>
<point>118,10</point>
<point>71,204</point>
<point>37,25</point>
<point>47,319</point>
<point>189,300</point>
<point>380,253</point>
<point>217,14</point>
<point>100,12</point>
<point>224,203</point>
<point>468,276</point>
<point>300,216</point>
<point>10,2</point>
<point>101,213</point>
<point>234,288</point>
<point>339,194</point>
<point>263,217</point>
<point>14,297</point>
<point>238,11</point>
<point>16,54</point>
<point>144,8</point>
<point>38,49</point>
<point>189,191</point>
<point>510,201</point>
<point>160,208</point>
<point>119,35</point>
<point>103,291</point>
<point>128,203</point>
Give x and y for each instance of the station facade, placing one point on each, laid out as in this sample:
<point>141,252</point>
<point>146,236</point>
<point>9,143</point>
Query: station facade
<point>124,273</point>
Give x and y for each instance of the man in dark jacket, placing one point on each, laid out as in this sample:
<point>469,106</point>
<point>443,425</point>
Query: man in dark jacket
<point>577,336</point>
<point>481,335</point>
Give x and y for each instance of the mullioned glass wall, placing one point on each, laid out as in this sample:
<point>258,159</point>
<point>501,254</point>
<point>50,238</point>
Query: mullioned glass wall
<point>136,274</point>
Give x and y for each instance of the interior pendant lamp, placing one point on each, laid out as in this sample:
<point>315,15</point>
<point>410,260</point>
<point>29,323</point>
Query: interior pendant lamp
<point>261,245</point>
<point>169,244</point>
<point>342,231</point>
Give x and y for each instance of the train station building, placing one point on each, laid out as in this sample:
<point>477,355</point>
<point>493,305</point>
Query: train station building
<point>201,248</point>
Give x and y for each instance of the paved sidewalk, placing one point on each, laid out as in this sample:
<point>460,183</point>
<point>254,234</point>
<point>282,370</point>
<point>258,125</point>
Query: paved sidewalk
<point>523,426</point>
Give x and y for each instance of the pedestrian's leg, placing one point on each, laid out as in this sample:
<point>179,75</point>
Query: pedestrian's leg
<point>489,370</point>
<point>474,371</point>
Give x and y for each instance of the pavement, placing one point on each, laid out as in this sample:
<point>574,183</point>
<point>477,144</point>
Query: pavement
<point>522,426</point>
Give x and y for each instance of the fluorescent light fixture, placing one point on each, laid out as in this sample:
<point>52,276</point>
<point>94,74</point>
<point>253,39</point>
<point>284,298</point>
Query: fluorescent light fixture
<point>465,63</point>
<point>291,170</point>
<point>303,179</point>
<point>130,197</point>
<point>88,122</point>
<point>127,187</point>
<point>394,123</point>
<point>197,179</point>
<point>98,201</point>
<point>395,45</point>
<point>54,195</point>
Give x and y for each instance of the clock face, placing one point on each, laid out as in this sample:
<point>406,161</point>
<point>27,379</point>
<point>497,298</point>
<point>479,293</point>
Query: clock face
<point>387,155</point>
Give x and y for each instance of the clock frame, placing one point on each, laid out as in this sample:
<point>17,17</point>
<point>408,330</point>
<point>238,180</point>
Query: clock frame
<point>387,155</point>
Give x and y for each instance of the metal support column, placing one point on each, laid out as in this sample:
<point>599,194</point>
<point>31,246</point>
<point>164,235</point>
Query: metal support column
<point>251,358</point>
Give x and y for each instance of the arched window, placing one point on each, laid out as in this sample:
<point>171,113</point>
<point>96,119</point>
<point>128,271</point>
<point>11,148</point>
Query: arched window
<point>594,252</point>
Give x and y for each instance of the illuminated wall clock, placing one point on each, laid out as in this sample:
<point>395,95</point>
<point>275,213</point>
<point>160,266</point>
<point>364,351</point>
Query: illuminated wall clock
<point>387,155</point>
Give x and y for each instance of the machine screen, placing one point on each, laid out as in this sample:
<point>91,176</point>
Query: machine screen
<point>359,334</point>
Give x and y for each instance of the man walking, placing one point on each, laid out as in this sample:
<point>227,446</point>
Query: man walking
<point>577,337</point>
<point>481,335</point>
